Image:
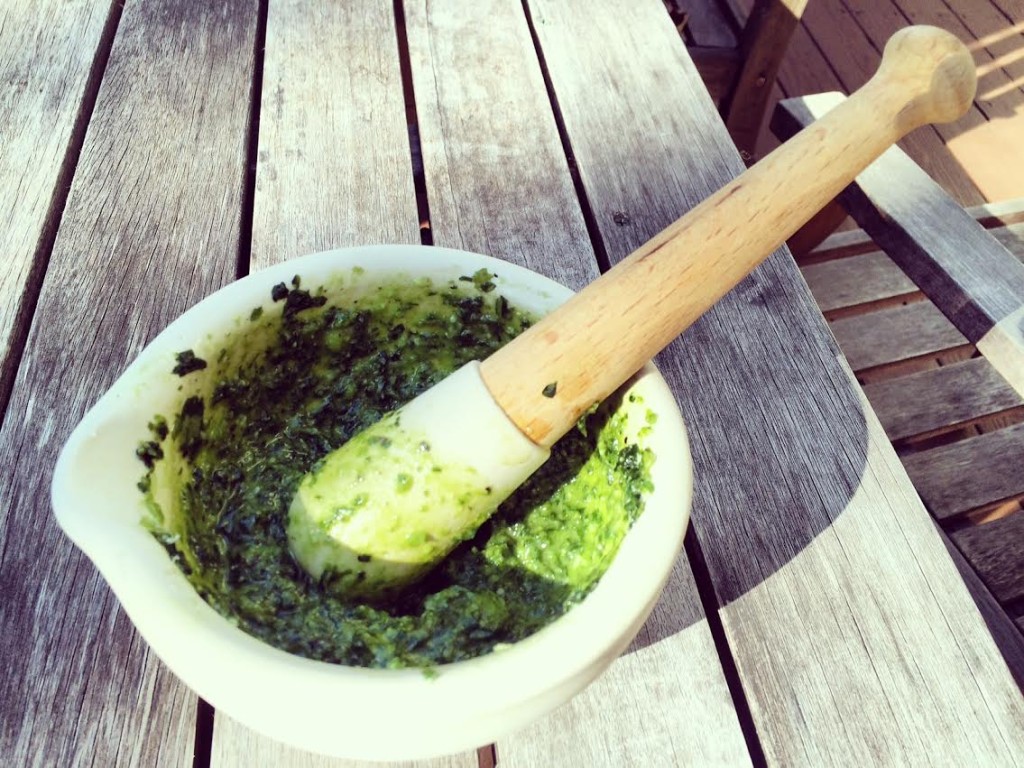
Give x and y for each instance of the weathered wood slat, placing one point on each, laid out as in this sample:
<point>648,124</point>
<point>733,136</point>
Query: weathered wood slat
<point>333,166</point>
<point>47,51</point>
<point>151,226</point>
<point>970,473</point>
<point>497,178</point>
<point>863,279</point>
<point>886,17</point>
<point>827,592</point>
<point>985,21</point>
<point>498,182</point>
<point>991,148</point>
<point>1002,220</point>
<point>893,334</point>
<point>996,549</point>
<point>644,707</point>
<point>950,15</point>
<point>333,170</point>
<point>939,399</point>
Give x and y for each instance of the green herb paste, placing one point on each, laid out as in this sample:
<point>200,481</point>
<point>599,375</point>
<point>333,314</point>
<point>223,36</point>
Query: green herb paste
<point>300,378</point>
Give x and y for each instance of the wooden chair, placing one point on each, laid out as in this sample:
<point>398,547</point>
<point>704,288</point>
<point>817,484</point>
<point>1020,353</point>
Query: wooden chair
<point>738,46</point>
<point>933,327</point>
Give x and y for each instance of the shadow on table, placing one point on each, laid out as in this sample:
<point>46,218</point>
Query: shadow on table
<point>772,475</point>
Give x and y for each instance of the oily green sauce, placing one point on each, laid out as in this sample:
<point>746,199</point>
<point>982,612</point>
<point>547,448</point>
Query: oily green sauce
<point>222,471</point>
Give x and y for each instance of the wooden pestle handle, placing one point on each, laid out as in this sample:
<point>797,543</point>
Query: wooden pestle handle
<point>583,351</point>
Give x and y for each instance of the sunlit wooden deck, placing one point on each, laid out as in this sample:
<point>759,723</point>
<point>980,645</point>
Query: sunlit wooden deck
<point>977,159</point>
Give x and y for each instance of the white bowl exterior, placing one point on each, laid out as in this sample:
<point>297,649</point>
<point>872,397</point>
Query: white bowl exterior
<point>348,711</point>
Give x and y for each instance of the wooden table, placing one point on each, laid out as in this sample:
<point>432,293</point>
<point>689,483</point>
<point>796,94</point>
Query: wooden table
<point>152,154</point>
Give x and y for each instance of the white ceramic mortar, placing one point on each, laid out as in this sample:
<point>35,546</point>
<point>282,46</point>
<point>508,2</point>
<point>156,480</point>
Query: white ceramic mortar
<point>338,710</point>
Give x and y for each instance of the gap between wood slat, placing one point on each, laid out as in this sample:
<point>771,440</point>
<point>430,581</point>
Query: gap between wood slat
<point>204,735</point>
<point>205,713</point>
<point>914,364</point>
<point>941,400</point>
<point>854,43</point>
<point>856,281</point>
<point>996,511</point>
<point>419,180</point>
<point>589,220</point>
<point>249,185</point>
<point>487,757</point>
<point>51,223</point>
<point>709,600</point>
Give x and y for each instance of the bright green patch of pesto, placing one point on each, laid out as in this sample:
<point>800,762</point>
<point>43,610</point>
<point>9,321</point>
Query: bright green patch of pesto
<point>319,372</point>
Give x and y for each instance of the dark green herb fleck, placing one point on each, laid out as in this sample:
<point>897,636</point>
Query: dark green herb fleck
<point>187,362</point>
<point>158,427</point>
<point>149,452</point>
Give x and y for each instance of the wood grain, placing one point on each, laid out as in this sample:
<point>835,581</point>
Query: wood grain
<point>831,18</point>
<point>843,619</point>
<point>828,568</point>
<point>986,22</point>
<point>663,701</point>
<point>893,334</point>
<point>47,53</point>
<point>854,280</point>
<point>1003,346</point>
<point>1002,220</point>
<point>976,282</point>
<point>957,478</point>
<point>151,225</point>
<point>497,179</point>
<point>333,165</point>
<point>1011,237</point>
<point>940,399</point>
<point>946,16</point>
<point>996,550</point>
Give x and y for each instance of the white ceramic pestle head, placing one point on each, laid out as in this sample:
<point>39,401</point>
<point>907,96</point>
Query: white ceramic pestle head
<point>380,511</point>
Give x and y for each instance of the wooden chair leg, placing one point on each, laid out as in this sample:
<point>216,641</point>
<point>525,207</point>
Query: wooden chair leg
<point>765,39</point>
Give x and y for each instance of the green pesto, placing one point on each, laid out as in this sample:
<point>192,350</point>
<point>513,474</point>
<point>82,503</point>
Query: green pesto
<point>240,446</point>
